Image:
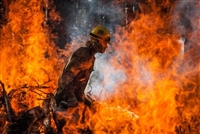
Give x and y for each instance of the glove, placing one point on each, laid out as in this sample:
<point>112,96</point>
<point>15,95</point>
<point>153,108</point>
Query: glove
<point>72,102</point>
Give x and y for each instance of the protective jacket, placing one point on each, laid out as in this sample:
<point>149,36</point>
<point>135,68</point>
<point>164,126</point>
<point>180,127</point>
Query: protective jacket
<point>76,73</point>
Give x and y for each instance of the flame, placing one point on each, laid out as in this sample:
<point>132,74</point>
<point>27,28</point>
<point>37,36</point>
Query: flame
<point>161,79</point>
<point>29,59</point>
<point>161,92</point>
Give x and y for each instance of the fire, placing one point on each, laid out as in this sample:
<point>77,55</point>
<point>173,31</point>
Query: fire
<point>157,51</point>
<point>158,88</point>
<point>28,56</point>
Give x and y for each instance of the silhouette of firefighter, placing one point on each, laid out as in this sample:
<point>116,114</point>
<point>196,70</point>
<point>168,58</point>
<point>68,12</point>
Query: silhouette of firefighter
<point>76,73</point>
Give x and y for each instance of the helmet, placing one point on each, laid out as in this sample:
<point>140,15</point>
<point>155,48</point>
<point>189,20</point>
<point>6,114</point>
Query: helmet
<point>100,33</point>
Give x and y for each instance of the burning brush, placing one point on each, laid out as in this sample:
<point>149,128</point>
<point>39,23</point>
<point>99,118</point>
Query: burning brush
<point>158,52</point>
<point>29,121</point>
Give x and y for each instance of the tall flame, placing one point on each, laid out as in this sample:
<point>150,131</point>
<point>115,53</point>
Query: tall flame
<point>28,56</point>
<point>158,52</point>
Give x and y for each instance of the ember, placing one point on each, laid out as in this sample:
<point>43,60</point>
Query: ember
<point>150,84</point>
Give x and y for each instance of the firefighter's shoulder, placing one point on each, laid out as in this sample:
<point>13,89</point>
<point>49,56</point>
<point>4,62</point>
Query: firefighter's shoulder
<point>82,53</point>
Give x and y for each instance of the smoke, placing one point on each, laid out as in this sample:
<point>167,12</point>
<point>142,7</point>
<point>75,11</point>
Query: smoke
<point>104,78</point>
<point>86,14</point>
<point>186,16</point>
<point>186,23</point>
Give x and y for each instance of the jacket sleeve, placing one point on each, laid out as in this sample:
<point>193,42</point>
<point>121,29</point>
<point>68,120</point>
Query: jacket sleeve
<point>76,63</point>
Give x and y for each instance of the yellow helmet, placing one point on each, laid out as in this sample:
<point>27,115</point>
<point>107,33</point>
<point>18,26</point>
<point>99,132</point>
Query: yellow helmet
<point>100,33</point>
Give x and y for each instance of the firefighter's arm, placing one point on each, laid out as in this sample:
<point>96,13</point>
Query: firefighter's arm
<point>74,66</point>
<point>67,82</point>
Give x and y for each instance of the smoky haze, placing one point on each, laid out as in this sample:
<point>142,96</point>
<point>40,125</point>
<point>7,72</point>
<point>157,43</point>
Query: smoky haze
<point>186,22</point>
<point>82,16</point>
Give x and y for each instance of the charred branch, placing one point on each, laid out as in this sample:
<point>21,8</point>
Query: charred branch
<point>33,89</point>
<point>6,103</point>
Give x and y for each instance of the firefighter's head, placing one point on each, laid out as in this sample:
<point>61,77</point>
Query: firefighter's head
<point>102,35</point>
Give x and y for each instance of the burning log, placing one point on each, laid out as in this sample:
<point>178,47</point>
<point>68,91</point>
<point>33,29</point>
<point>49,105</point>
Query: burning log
<point>28,122</point>
<point>13,122</point>
<point>34,119</point>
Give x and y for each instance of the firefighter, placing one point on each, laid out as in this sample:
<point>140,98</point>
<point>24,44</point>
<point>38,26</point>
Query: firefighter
<point>76,73</point>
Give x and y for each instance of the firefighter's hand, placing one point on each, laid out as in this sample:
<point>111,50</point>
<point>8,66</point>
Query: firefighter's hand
<point>72,102</point>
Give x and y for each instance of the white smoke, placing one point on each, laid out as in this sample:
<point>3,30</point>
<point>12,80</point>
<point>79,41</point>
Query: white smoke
<point>104,78</point>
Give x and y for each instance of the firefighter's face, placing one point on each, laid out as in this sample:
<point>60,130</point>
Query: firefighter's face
<point>98,45</point>
<point>103,45</point>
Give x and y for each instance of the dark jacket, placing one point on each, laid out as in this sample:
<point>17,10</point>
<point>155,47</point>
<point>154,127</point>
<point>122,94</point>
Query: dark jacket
<point>76,73</point>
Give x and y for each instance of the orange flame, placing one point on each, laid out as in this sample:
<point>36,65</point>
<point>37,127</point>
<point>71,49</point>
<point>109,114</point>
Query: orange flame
<point>161,91</point>
<point>28,56</point>
<point>152,53</point>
